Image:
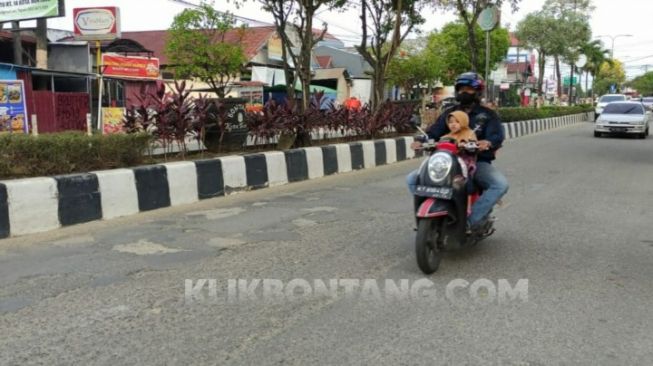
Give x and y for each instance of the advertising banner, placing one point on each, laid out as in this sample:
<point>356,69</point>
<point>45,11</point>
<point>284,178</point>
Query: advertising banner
<point>94,24</point>
<point>130,66</point>
<point>11,10</point>
<point>112,120</point>
<point>13,109</point>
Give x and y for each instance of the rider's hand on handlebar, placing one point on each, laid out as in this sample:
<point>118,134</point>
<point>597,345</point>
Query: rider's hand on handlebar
<point>416,145</point>
<point>484,145</point>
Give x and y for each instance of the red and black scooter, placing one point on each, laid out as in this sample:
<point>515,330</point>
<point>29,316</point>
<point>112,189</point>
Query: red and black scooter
<point>443,199</point>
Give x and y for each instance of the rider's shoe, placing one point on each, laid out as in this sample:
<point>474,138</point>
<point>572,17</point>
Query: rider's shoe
<point>483,229</point>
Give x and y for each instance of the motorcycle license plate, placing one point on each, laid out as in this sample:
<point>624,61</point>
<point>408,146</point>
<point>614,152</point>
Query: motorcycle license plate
<point>437,192</point>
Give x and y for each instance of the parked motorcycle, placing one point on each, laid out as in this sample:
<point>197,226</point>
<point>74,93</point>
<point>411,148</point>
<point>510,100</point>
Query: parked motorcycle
<point>443,199</point>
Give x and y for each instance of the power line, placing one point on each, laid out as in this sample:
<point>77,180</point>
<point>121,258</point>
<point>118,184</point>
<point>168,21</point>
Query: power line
<point>243,19</point>
<point>638,59</point>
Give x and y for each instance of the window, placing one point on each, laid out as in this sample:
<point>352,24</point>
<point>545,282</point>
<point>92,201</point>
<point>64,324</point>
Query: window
<point>623,108</point>
<point>612,98</point>
<point>70,84</point>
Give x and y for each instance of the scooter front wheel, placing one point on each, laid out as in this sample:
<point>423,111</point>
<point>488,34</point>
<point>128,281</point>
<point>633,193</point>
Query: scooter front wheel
<point>426,244</point>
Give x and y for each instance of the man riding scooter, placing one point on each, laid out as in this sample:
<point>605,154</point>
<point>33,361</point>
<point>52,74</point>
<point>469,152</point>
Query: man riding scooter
<point>487,126</point>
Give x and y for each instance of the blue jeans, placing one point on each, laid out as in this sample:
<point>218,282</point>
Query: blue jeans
<point>489,178</point>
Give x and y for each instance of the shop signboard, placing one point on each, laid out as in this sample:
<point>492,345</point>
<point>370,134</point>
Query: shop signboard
<point>94,24</point>
<point>130,66</point>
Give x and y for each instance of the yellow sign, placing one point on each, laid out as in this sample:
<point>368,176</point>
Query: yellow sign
<point>112,120</point>
<point>274,47</point>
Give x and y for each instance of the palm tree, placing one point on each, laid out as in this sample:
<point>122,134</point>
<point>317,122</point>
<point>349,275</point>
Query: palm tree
<point>596,55</point>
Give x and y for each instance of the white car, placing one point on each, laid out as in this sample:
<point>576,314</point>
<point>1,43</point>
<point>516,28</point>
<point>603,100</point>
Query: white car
<point>604,100</point>
<point>648,103</point>
<point>625,118</point>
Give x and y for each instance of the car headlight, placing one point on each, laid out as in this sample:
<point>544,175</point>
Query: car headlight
<point>439,166</point>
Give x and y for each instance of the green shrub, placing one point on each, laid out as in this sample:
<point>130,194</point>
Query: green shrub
<point>525,114</point>
<point>68,152</point>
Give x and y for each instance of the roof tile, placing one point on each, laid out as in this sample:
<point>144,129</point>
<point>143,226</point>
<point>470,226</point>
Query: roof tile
<point>253,38</point>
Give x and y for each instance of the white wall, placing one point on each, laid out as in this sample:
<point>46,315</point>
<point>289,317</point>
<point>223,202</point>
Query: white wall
<point>362,89</point>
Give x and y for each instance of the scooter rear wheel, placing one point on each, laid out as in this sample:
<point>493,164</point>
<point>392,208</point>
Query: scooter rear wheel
<point>426,244</point>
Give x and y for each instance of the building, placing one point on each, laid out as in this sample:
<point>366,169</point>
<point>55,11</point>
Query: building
<point>516,73</point>
<point>357,69</point>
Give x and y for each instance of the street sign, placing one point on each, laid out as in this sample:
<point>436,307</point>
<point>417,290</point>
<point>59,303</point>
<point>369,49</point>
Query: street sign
<point>24,10</point>
<point>565,80</point>
<point>613,88</point>
<point>489,18</point>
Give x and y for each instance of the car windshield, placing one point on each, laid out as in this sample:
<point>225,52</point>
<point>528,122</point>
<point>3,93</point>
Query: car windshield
<point>612,98</point>
<point>623,108</point>
<point>647,100</point>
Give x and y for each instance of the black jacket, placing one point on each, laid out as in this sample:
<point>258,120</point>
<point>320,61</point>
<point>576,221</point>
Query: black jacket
<point>489,128</point>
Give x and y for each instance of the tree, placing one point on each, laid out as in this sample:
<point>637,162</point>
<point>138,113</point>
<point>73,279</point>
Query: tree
<point>198,48</point>
<point>281,11</point>
<point>595,55</point>
<point>304,15</point>
<point>535,30</point>
<point>414,66</point>
<point>643,83</point>
<point>570,32</point>
<point>559,7</point>
<point>450,46</point>
<point>469,11</point>
<point>610,73</point>
<point>389,22</point>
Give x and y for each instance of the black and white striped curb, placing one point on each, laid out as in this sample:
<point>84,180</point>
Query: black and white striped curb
<point>40,204</point>
<point>522,128</point>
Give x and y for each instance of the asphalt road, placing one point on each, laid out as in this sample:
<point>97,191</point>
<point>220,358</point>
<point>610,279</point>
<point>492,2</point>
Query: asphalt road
<point>576,224</point>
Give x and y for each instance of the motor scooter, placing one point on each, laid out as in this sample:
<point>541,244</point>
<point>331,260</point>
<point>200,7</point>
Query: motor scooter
<point>444,196</point>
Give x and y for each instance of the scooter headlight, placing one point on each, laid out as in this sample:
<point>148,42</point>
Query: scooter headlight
<point>439,166</point>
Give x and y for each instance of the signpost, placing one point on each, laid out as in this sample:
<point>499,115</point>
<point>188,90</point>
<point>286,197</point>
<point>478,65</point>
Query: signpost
<point>488,20</point>
<point>97,24</point>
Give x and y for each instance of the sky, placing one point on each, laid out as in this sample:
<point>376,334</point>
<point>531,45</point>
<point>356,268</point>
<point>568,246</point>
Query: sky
<point>610,17</point>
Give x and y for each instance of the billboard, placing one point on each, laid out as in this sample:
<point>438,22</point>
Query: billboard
<point>130,66</point>
<point>94,24</point>
<point>13,109</point>
<point>11,10</point>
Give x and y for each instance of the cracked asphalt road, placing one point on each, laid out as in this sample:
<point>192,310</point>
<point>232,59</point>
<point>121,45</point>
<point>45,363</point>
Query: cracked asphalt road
<point>576,224</point>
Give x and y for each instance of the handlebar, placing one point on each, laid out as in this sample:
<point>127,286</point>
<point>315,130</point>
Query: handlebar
<point>471,147</point>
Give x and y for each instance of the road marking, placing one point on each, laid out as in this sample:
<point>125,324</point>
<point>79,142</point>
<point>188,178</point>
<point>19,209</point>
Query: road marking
<point>304,223</point>
<point>219,213</point>
<point>144,247</point>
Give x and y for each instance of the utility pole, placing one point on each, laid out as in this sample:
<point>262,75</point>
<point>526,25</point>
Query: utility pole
<point>42,43</point>
<point>18,45</point>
